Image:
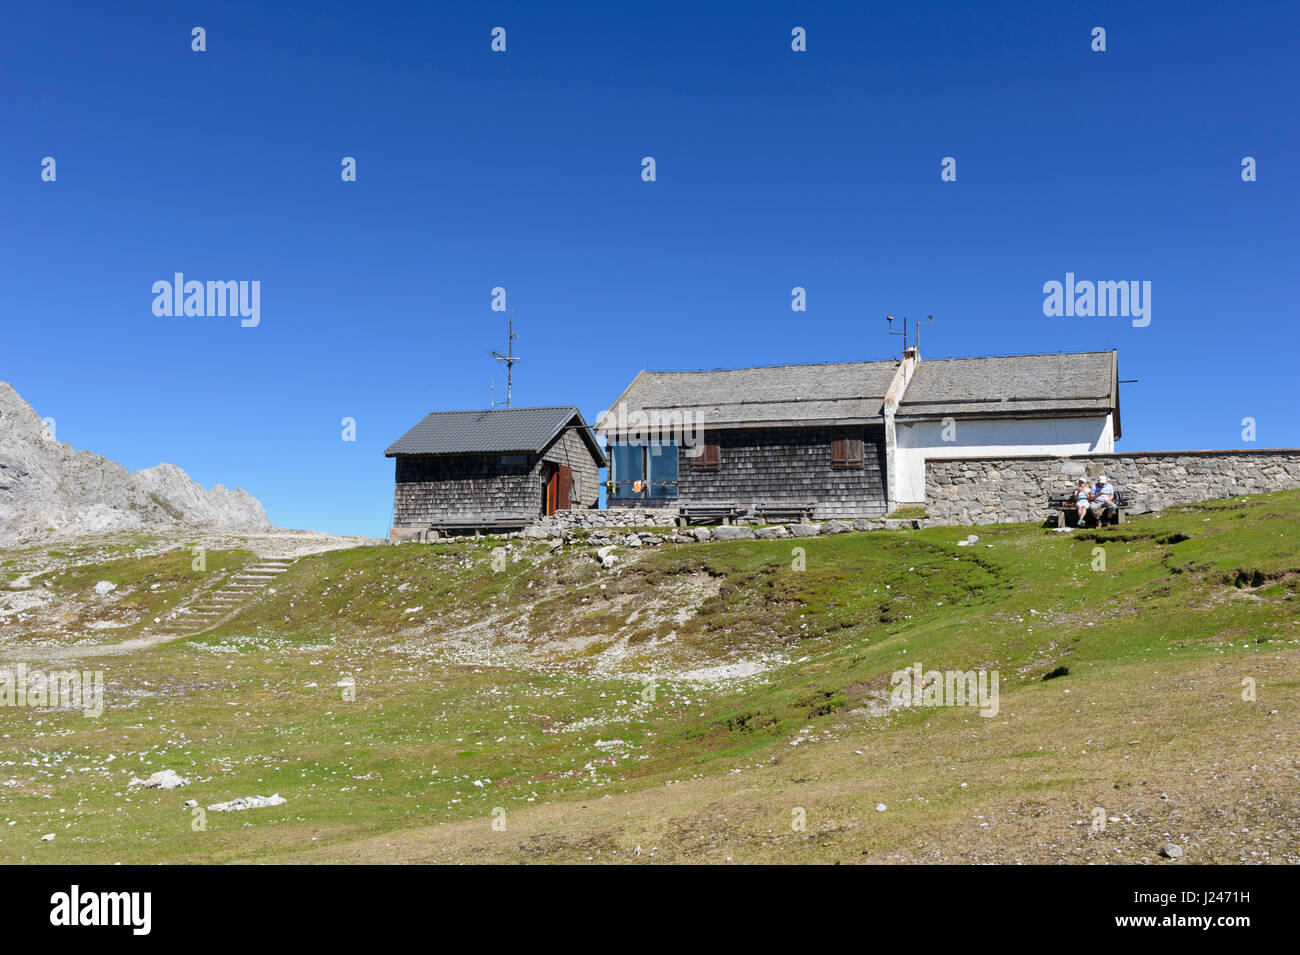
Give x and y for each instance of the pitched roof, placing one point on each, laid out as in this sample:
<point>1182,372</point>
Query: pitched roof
<point>492,431</point>
<point>1013,384</point>
<point>795,394</point>
<point>1001,385</point>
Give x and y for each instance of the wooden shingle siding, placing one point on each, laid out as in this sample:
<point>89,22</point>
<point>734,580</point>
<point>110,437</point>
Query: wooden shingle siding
<point>773,465</point>
<point>463,487</point>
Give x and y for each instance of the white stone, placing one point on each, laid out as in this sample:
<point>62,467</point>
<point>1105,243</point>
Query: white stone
<point>164,779</point>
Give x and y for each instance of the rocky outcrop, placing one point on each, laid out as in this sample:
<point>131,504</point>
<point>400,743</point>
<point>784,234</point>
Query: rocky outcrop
<point>47,487</point>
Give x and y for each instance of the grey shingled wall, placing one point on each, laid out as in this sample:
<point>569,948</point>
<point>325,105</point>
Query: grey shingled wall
<point>773,465</point>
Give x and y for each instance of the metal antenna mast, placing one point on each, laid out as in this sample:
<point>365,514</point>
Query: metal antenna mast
<point>890,319</point>
<point>918,332</point>
<point>919,325</point>
<point>509,357</point>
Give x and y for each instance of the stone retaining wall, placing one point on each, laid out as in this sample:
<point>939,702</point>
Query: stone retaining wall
<point>989,490</point>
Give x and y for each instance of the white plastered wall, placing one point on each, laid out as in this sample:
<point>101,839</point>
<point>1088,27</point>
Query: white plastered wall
<point>917,440</point>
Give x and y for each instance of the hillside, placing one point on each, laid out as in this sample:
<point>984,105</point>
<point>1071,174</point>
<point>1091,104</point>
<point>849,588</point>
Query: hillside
<point>527,689</point>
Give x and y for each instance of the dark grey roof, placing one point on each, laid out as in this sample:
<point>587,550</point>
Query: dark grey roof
<point>1079,382</point>
<point>804,394</point>
<point>1076,383</point>
<point>492,431</point>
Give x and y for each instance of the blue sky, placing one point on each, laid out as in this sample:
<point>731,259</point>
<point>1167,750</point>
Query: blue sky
<point>522,169</point>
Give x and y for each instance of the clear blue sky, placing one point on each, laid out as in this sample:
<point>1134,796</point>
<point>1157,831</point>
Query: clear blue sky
<point>476,169</point>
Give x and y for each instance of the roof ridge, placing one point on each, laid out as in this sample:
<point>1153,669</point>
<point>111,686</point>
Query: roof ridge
<point>527,408</point>
<point>1039,354</point>
<point>806,364</point>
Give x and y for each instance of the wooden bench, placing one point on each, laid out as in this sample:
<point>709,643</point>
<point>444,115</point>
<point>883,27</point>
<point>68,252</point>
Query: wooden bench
<point>783,512</point>
<point>1061,507</point>
<point>688,514</point>
<point>485,524</point>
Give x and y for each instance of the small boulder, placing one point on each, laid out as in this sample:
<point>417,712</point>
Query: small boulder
<point>733,532</point>
<point>165,779</point>
<point>1171,851</point>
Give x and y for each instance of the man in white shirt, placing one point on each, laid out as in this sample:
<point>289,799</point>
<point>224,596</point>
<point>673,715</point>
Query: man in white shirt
<point>1103,501</point>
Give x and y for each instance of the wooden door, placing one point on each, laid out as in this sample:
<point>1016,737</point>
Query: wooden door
<point>548,489</point>
<point>563,487</point>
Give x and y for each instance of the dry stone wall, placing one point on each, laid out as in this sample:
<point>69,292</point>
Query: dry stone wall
<point>989,490</point>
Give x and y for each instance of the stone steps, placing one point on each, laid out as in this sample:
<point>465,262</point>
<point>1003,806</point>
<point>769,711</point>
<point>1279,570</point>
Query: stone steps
<point>224,603</point>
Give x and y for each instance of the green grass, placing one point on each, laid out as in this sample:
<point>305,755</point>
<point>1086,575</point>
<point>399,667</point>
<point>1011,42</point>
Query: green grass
<point>552,664</point>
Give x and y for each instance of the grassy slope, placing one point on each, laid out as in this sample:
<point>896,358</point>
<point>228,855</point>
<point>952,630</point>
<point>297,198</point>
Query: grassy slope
<point>510,679</point>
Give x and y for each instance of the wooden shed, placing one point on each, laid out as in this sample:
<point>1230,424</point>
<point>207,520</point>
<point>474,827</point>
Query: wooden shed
<point>493,469</point>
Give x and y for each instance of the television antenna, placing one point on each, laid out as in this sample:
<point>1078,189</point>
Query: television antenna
<point>509,357</point>
<point>918,325</point>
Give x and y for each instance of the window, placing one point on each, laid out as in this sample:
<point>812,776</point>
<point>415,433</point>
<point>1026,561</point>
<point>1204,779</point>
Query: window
<point>709,457</point>
<point>846,453</point>
<point>626,469</point>
<point>643,470</point>
<point>661,468</point>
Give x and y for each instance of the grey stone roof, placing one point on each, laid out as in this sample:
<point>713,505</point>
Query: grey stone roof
<point>796,394</point>
<point>492,431</point>
<point>1002,385</point>
<point>1013,384</point>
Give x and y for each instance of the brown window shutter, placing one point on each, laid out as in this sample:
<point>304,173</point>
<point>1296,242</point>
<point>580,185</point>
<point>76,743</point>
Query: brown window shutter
<point>846,453</point>
<point>709,458</point>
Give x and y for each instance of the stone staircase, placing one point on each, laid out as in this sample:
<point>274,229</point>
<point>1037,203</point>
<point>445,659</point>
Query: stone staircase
<point>219,606</point>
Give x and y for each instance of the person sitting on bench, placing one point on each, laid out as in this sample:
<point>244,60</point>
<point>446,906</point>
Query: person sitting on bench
<point>1081,501</point>
<point>1103,501</point>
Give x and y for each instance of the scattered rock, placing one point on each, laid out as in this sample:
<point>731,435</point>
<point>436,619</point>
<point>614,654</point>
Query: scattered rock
<point>104,586</point>
<point>1171,851</point>
<point>248,802</point>
<point>733,532</point>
